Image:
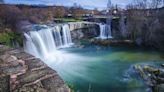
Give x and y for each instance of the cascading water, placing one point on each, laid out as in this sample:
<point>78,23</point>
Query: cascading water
<point>29,45</point>
<point>40,43</point>
<point>58,37</point>
<point>105,31</point>
<point>67,41</point>
<point>44,42</point>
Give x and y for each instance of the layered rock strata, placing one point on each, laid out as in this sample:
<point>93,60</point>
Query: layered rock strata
<point>21,72</point>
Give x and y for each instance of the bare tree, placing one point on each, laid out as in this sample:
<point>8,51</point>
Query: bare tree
<point>60,12</point>
<point>156,3</point>
<point>143,21</point>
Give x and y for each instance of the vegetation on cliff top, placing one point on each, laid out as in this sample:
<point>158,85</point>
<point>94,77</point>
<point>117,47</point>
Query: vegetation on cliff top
<point>10,38</point>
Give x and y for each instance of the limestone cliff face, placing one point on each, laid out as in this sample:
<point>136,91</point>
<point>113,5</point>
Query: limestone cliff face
<point>86,32</point>
<point>21,72</point>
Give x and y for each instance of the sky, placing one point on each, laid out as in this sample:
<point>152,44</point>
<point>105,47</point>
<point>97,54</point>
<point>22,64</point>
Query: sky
<point>90,4</point>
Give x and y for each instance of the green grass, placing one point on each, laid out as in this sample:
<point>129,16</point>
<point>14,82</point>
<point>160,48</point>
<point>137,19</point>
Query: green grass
<point>7,38</point>
<point>68,19</point>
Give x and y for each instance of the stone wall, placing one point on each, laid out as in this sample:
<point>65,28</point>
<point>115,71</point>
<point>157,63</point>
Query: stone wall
<point>21,72</point>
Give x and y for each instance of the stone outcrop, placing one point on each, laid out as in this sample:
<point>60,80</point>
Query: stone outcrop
<point>86,32</point>
<point>113,42</point>
<point>153,76</point>
<point>21,72</point>
<point>81,25</point>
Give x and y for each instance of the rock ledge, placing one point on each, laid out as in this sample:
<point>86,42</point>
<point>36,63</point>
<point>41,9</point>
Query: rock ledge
<point>21,72</point>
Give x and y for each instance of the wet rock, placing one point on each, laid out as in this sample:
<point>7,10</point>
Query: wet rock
<point>162,65</point>
<point>159,88</point>
<point>112,42</point>
<point>153,76</point>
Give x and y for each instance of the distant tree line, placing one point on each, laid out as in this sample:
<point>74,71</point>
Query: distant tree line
<point>10,15</point>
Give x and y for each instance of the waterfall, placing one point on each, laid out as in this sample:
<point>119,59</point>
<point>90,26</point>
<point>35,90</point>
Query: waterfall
<point>44,42</point>
<point>67,41</point>
<point>102,31</point>
<point>105,31</point>
<point>58,37</point>
<point>40,43</point>
<point>35,45</point>
<point>29,46</point>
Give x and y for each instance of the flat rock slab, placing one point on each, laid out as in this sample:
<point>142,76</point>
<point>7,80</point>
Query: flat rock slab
<point>21,72</point>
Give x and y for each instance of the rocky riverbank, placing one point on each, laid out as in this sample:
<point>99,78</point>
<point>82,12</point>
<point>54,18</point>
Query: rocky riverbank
<point>112,42</point>
<point>21,72</point>
<point>153,76</point>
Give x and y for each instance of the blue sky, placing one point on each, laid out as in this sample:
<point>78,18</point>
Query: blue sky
<point>100,4</point>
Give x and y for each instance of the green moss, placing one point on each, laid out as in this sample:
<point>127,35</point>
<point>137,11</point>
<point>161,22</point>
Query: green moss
<point>7,38</point>
<point>69,19</point>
